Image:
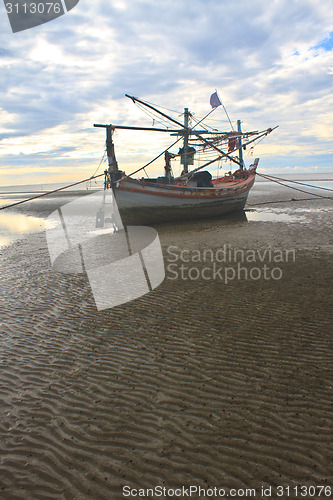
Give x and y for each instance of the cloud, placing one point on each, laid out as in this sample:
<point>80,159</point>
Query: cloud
<point>272,64</point>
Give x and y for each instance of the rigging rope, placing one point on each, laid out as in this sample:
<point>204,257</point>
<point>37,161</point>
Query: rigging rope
<point>156,157</point>
<point>153,116</point>
<point>197,121</point>
<point>100,163</point>
<point>179,113</point>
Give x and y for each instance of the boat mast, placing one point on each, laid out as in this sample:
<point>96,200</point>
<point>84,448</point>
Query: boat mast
<point>112,174</point>
<point>240,145</point>
<point>184,157</point>
<point>186,153</point>
<point>113,165</point>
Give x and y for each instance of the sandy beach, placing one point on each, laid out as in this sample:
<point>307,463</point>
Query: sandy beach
<point>201,382</point>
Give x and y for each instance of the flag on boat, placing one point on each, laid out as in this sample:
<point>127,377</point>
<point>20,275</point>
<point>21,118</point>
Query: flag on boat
<point>214,100</point>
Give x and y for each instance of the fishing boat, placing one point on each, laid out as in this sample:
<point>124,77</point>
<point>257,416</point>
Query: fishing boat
<point>194,193</point>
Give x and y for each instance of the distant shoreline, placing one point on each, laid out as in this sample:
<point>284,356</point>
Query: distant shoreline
<point>44,187</point>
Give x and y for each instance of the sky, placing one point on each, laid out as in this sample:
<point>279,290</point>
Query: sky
<point>271,63</point>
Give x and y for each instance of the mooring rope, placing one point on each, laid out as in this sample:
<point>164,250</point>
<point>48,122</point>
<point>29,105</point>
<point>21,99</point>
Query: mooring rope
<point>295,189</point>
<point>50,192</point>
<point>282,201</point>
<point>100,175</point>
<point>297,182</point>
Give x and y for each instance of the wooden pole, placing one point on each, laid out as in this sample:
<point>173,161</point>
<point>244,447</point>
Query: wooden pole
<point>240,145</point>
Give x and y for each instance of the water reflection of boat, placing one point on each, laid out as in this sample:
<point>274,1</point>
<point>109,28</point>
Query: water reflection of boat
<point>193,194</point>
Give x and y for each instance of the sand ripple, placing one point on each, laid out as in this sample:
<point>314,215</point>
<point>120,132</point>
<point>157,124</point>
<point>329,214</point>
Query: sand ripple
<point>162,391</point>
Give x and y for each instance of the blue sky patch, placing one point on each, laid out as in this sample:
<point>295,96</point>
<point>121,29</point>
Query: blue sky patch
<point>327,43</point>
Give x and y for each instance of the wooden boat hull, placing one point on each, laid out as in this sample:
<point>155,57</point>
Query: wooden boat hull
<point>141,202</point>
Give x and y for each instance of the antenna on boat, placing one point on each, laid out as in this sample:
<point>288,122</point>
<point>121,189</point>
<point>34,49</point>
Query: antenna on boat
<point>226,112</point>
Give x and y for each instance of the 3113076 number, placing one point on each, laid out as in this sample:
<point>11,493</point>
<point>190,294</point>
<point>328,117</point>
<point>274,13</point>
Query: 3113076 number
<point>34,8</point>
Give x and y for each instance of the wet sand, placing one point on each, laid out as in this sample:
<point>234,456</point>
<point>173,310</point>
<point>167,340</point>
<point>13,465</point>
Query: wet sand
<point>200,382</point>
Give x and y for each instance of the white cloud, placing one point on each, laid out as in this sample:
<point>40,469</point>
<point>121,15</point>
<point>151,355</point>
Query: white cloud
<point>265,60</point>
